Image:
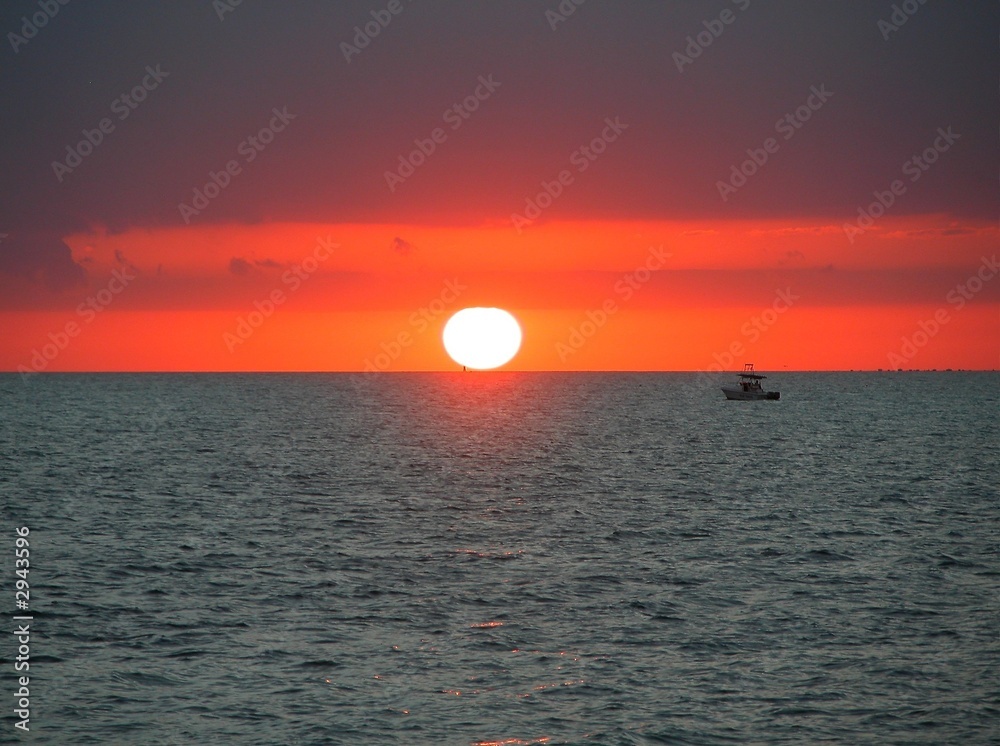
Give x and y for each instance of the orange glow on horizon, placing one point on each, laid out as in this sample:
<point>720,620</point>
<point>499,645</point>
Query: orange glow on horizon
<point>917,241</point>
<point>793,295</point>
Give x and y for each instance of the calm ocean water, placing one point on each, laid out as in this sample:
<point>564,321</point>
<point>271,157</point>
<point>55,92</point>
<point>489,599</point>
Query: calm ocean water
<point>502,558</point>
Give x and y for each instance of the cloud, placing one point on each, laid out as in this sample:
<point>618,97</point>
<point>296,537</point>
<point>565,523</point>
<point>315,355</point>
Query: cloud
<point>799,230</point>
<point>401,246</point>
<point>44,261</point>
<point>790,256</point>
<point>120,258</point>
<point>856,144</point>
<point>934,232</point>
<point>239,266</point>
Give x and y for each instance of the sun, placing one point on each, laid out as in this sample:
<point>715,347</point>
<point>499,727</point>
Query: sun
<point>482,338</point>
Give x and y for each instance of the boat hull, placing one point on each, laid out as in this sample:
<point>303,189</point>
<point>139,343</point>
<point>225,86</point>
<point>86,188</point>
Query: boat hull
<point>737,393</point>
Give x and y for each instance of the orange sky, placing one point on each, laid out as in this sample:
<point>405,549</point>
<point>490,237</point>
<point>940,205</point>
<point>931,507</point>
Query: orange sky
<point>635,213</point>
<point>790,294</point>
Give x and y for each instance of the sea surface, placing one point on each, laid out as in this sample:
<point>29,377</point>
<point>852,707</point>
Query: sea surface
<point>505,558</point>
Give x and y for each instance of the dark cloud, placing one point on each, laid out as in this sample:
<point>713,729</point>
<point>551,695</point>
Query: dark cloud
<point>401,246</point>
<point>239,267</point>
<point>44,261</point>
<point>355,119</point>
<point>790,256</point>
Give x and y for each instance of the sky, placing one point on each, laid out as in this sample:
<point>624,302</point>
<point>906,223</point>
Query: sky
<point>281,186</point>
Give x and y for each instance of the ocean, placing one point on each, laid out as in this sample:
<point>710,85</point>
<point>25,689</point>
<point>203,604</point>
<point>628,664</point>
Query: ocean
<point>504,558</point>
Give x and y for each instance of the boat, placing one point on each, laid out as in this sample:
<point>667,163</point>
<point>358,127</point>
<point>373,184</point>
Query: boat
<point>748,387</point>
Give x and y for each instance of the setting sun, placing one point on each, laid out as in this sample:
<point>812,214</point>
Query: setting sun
<point>482,338</point>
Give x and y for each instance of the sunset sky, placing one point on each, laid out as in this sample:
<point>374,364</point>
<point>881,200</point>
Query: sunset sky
<point>211,186</point>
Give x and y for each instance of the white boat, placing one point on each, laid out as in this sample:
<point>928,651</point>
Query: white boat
<point>748,387</point>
